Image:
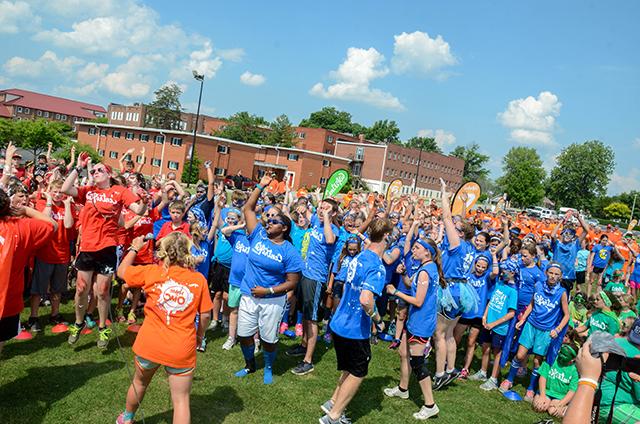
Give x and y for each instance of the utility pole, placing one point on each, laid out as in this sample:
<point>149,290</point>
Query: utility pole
<point>198,77</point>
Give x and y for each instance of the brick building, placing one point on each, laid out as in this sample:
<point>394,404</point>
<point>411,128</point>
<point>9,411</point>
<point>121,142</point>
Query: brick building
<point>136,115</point>
<point>23,104</point>
<point>168,150</point>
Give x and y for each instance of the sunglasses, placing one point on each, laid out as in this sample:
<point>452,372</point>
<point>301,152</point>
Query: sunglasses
<point>268,215</point>
<point>100,170</point>
<point>275,222</point>
<point>232,221</point>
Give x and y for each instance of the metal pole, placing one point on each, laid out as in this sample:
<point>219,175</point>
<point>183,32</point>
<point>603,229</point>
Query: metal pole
<point>633,206</point>
<point>415,182</point>
<point>195,127</point>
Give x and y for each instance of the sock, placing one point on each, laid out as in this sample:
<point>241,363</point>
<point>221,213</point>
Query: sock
<point>299,318</point>
<point>515,365</point>
<point>439,374</point>
<point>269,358</point>
<point>533,382</point>
<point>495,380</point>
<point>401,389</point>
<point>249,359</point>
<point>430,406</point>
<point>128,416</point>
<point>450,371</point>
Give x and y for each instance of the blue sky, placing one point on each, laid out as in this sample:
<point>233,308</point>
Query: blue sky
<point>542,74</point>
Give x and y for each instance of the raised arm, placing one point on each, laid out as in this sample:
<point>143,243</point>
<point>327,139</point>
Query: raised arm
<point>8,168</point>
<point>49,149</point>
<point>143,158</point>
<point>68,213</point>
<point>122,159</point>
<point>211,187</point>
<point>249,208</point>
<point>68,187</point>
<point>447,219</point>
<point>72,158</point>
<point>585,228</point>
<point>329,235</point>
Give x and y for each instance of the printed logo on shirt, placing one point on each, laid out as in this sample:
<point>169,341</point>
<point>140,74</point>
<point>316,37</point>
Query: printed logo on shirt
<point>602,254</point>
<point>174,298</point>
<point>497,301</point>
<point>2,240</point>
<point>467,261</point>
<point>476,282</point>
<point>241,248</point>
<point>543,301</point>
<point>317,234</point>
<point>600,325</point>
<point>554,373</point>
<point>351,271</point>
<point>92,196</point>
<point>263,250</point>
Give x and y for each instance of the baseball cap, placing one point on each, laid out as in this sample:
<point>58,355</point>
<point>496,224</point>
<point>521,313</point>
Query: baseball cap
<point>634,334</point>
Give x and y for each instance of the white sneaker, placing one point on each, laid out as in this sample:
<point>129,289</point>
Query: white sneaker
<point>213,325</point>
<point>426,413</point>
<point>396,392</point>
<point>229,344</point>
<point>479,376</point>
<point>490,384</point>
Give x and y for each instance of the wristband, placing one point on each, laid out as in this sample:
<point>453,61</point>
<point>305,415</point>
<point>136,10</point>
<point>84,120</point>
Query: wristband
<point>259,187</point>
<point>588,382</point>
<point>132,249</point>
<point>394,292</point>
<point>271,290</point>
<point>78,169</point>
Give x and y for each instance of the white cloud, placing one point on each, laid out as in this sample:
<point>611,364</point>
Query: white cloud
<point>252,79</point>
<point>92,71</point>
<point>353,78</point>
<point>532,120</point>
<point>232,55</point>
<point>16,16</point>
<point>418,53</point>
<point>49,63</point>
<point>202,62</point>
<point>636,143</point>
<point>130,79</point>
<point>621,183</point>
<point>443,138</point>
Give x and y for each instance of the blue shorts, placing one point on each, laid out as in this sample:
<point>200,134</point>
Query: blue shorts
<point>490,336</point>
<point>146,365</point>
<point>535,339</point>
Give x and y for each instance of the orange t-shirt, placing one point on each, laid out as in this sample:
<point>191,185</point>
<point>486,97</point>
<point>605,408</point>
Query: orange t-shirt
<point>99,220</point>
<point>174,296</point>
<point>58,251</point>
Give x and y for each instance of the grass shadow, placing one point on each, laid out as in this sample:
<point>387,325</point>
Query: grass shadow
<point>369,397</point>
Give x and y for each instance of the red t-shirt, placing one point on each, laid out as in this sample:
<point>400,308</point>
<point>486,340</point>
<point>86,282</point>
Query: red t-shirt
<point>58,251</point>
<point>168,228</point>
<point>142,227</point>
<point>99,219</point>
<point>19,239</point>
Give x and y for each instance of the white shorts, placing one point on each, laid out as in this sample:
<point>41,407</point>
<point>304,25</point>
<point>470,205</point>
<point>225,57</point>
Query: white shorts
<point>260,314</point>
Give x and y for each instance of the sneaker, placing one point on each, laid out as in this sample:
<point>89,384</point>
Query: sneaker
<point>327,406</point>
<point>425,413</point>
<point>396,392</point>
<point>103,337</point>
<point>131,318</point>
<point>56,319</point>
<point>120,316</point>
<point>327,338</point>
<point>528,397</point>
<point>299,330</point>
<point>479,376</point>
<point>342,420</point>
<point>33,324</point>
<point>120,419</point>
<point>284,326</point>
<point>394,344</point>
<point>490,384</point>
<point>439,382</point>
<point>505,386</point>
<point>229,344</point>
<point>464,374</point>
<point>213,325</point>
<point>202,347</point>
<point>392,329</point>
<point>297,350</point>
<point>88,320</point>
<point>451,376</point>
<point>74,332</point>
<point>303,368</point>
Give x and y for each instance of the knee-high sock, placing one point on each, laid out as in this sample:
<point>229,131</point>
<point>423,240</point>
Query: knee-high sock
<point>249,359</point>
<point>299,318</point>
<point>269,359</point>
<point>515,365</point>
<point>533,382</point>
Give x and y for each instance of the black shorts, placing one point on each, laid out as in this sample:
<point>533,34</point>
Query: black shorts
<point>9,327</point>
<point>338,288</point>
<point>471,322</point>
<point>488,336</point>
<point>412,338</point>
<point>580,277</point>
<point>103,261</point>
<point>219,278</point>
<point>312,293</point>
<point>353,356</point>
<point>46,275</point>
<point>597,270</point>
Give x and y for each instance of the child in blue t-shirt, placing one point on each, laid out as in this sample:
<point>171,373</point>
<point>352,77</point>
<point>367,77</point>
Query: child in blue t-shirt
<point>499,311</point>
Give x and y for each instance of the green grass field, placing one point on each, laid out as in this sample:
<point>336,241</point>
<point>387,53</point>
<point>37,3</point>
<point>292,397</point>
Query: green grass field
<point>45,380</point>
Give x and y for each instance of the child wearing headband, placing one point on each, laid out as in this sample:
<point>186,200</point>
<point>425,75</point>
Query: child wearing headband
<point>603,318</point>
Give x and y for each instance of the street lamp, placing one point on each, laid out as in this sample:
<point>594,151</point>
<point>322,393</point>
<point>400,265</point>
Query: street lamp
<point>198,77</point>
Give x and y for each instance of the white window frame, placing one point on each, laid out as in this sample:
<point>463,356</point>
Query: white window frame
<point>323,180</point>
<point>176,141</point>
<point>220,172</point>
<point>222,149</point>
<point>159,137</point>
<point>144,138</point>
<point>101,152</point>
<point>46,114</point>
<point>19,109</point>
<point>156,162</point>
<point>104,132</point>
<point>302,135</point>
<point>116,134</point>
<point>39,112</point>
<point>359,153</point>
<point>173,165</point>
<point>27,110</point>
<point>63,117</point>
<point>113,155</point>
<point>92,131</point>
<point>294,157</point>
<point>326,163</point>
<point>129,135</point>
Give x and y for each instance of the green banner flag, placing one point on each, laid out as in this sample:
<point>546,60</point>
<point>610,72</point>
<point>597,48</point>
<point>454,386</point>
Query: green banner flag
<point>337,180</point>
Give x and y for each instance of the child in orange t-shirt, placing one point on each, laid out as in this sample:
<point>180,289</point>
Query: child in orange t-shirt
<point>175,294</point>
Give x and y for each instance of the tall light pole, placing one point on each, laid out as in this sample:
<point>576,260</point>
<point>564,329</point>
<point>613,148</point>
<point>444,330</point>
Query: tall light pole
<point>198,77</point>
<point>633,207</point>
<point>415,182</point>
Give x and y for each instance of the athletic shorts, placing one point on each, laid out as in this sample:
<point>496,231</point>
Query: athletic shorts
<point>634,284</point>
<point>597,270</point>
<point>353,356</point>
<point>9,327</point>
<point>145,364</point>
<point>233,301</point>
<point>338,288</point>
<point>450,314</point>
<point>535,339</point>
<point>471,322</point>
<point>103,261</point>
<point>312,293</point>
<point>260,314</point>
<point>47,275</point>
<point>580,277</point>
<point>489,336</point>
<point>218,278</point>
<point>412,338</point>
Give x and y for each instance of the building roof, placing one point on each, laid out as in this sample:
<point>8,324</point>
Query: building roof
<point>52,104</point>
<point>4,111</point>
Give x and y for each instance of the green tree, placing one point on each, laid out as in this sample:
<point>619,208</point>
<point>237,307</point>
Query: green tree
<point>281,133</point>
<point>34,136</point>
<point>523,176</point>
<point>7,131</point>
<point>331,118</point>
<point>428,144</point>
<point>384,131</point>
<point>474,162</point>
<point>193,176</point>
<point>65,151</point>
<point>617,210</point>
<point>100,120</point>
<point>165,111</point>
<point>245,127</point>
<point>582,173</point>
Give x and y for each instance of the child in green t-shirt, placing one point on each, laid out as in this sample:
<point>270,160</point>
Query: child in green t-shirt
<point>558,382</point>
<point>617,285</point>
<point>578,310</point>
<point>603,318</point>
<point>627,314</point>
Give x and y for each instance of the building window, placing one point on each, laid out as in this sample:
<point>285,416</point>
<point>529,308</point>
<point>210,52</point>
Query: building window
<point>92,131</point>
<point>120,116</point>
<point>159,139</point>
<point>144,137</point>
<point>139,159</point>
<point>359,153</point>
<point>39,112</point>
<point>58,116</point>
<point>104,131</point>
<point>19,109</point>
<point>46,114</point>
<point>292,156</point>
<point>155,162</point>
<point>116,134</point>
<point>326,163</point>
<point>176,141</point>
<point>127,157</point>
<point>101,152</point>
<point>220,172</point>
<point>27,110</point>
<point>323,180</point>
<point>63,117</point>
<point>129,135</point>
<point>357,167</point>
<point>223,150</point>
<point>329,139</point>
<point>113,155</point>
<point>113,114</point>
<point>173,165</point>
<point>301,135</point>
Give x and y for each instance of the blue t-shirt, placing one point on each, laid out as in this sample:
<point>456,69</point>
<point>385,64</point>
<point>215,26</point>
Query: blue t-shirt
<point>504,297</point>
<point>223,253</point>
<point>202,252</point>
<point>412,266</point>
<point>365,272</point>
<point>319,253</point>
<point>268,263</point>
<point>297,234</point>
<point>165,216</point>
<point>340,268</point>
<point>457,261</point>
<point>390,269</point>
<point>482,287</point>
<point>241,246</point>
<point>343,235</point>
<point>422,321</point>
<point>581,260</point>
<point>601,255</point>
<point>547,308</point>
<point>526,281</point>
<point>635,275</point>
<point>565,254</point>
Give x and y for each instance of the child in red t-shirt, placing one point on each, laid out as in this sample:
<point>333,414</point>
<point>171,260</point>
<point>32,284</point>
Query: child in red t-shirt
<point>177,210</point>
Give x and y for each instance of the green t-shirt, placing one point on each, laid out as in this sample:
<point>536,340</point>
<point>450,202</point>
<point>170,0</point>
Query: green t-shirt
<point>560,380</point>
<point>600,321</point>
<point>629,391</point>
<point>627,314</point>
<point>577,315</point>
<point>616,288</point>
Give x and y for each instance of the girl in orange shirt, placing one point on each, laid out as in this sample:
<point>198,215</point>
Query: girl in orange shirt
<point>175,294</point>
